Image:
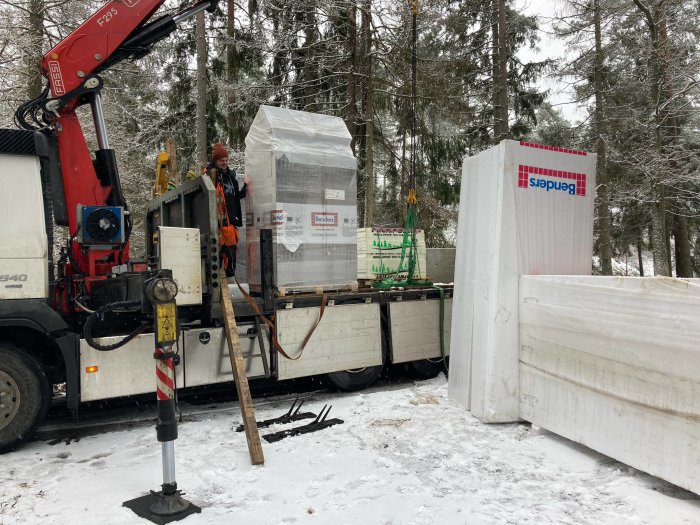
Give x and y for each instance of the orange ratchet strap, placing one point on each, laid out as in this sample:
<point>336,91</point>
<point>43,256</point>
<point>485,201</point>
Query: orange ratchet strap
<point>271,325</point>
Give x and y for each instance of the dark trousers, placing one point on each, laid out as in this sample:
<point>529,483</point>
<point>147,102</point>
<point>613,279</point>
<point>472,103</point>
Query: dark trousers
<point>228,259</point>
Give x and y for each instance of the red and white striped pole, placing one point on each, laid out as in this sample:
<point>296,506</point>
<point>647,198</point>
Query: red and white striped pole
<point>165,375</point>
<point>167,424</point>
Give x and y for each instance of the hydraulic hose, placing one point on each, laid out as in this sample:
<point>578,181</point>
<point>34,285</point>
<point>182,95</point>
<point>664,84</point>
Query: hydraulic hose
<point>97,316</point>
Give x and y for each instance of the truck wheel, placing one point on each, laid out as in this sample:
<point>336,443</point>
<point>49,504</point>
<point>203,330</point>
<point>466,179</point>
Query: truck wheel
<point>357,379</point>
<point>24,396</point>
<point>425,369</point>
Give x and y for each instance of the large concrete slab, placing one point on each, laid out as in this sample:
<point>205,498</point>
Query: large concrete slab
<point>614,363</point>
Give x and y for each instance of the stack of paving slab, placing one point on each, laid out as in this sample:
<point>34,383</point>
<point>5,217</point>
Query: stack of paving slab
<point>614,363</point>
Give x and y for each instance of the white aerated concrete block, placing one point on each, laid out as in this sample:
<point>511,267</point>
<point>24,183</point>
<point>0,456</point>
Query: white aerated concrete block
<point>524,209</point>
<point>614,363</point>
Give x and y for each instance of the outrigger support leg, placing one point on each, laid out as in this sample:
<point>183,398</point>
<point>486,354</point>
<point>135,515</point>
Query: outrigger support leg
<point>167,504</point>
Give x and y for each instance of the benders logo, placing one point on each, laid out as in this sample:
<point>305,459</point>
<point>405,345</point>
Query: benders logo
<point>531,177</point>
<point>324,219</point>
<point>549,185</point>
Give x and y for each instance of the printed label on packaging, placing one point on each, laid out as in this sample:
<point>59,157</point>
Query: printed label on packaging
<point>321,218</point>
<point>296,224</point>
<point>338,195</point>
<point>552,180</point>
<point>277,217</point>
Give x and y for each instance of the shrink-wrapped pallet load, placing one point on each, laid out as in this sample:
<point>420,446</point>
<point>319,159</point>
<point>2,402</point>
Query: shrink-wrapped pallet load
<point>303,188</point>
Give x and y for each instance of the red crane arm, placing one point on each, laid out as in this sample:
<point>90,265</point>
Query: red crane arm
<point>88,47</point>
<point>117,31</point>
<point>68,68</point>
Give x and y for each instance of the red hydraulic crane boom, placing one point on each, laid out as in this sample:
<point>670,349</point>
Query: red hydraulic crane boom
<point>89,199</point>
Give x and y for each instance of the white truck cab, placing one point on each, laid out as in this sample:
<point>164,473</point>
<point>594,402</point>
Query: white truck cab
<point>23,239</point>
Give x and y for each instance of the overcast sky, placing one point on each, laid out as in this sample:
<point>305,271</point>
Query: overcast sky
<point>550,47</point>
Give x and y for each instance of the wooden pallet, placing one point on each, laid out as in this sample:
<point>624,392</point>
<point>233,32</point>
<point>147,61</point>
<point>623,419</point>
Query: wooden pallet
<point>318,289</point>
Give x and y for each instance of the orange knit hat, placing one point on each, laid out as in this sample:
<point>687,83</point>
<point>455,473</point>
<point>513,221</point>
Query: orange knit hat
<point>218,151</point>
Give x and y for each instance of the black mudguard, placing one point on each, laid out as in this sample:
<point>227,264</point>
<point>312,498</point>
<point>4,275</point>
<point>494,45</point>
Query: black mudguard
<point>35,314</point>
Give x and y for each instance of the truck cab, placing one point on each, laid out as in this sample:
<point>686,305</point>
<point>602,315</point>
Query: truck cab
<point>24,245</point>
<point>37,347</point>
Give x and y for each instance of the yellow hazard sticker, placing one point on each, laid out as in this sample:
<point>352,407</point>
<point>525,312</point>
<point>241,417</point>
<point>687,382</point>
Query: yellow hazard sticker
<point>166,322</point>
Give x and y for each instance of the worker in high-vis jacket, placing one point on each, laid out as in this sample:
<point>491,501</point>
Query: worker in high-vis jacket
<point>229,212</point>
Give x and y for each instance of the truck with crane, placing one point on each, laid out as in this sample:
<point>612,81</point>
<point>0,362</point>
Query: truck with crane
<point>79,321</point>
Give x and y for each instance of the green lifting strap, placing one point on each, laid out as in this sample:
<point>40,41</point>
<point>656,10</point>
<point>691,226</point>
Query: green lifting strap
<point>409,256</point>
<point>411,223</point>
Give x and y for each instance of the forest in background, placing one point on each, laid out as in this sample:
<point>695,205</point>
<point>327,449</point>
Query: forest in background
<point>633,66</point>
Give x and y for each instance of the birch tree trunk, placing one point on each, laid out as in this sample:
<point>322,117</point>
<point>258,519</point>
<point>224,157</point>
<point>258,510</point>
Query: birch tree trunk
<point>351,63</point>
<point>369,115</point>
<point>658,192</point>
<point>310,88</point>
<point>36,39</point>
<point>499,70</point>
<point>503,70</point>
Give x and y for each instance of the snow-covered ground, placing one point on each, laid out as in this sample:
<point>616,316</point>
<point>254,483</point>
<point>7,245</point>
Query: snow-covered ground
<point>406,454</point>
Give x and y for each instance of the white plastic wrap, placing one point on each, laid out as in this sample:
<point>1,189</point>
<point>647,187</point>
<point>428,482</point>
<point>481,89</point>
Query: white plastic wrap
<point>303,187</point>
<point>300,135</point>
<point>614,363</point>
<point>524,209</point>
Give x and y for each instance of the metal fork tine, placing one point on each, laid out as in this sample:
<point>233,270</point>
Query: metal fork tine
<point>327,412</point>
<point>298,407</point>
<point>292,407</point>
<point>318,417</point>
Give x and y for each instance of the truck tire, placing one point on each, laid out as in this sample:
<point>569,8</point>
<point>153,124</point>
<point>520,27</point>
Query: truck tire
<point>24,396</point>
<point>425,368</point>
<point>353,380</point>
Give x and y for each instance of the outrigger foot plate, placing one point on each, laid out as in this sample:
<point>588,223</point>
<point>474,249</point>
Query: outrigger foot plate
<point>162,508</point>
